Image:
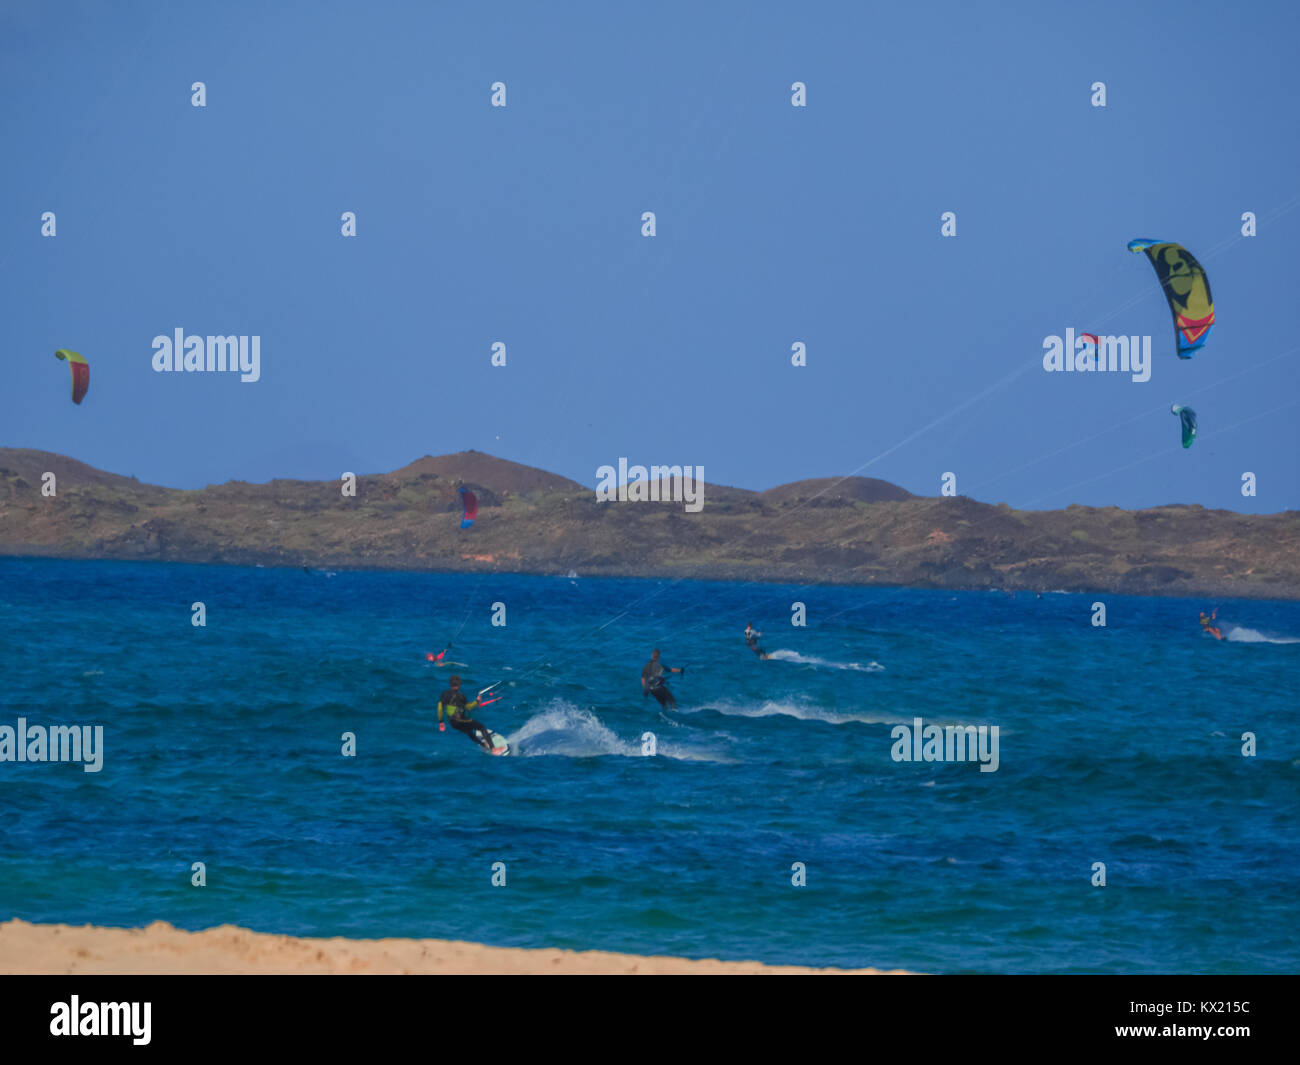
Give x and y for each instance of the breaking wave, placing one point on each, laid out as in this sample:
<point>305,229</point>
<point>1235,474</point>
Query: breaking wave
<point>562,730</point>
<point>800,710</point>
<point>812,660</point>
<point>1241,634</point>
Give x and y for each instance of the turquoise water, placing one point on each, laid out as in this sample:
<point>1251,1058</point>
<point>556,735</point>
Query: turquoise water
<point>222,745</point>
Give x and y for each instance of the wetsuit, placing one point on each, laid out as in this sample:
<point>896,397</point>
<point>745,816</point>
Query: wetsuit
<point>653,675</point>
<point>751,641</point>
<point>458,707</point>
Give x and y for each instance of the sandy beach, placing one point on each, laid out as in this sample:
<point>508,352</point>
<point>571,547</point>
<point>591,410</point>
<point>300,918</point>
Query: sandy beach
<point>161,949</point>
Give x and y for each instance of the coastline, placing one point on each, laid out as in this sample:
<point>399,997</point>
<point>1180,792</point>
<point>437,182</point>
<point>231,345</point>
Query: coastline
<point>1217,591</point>
<point>59,949</point>
<point>844,531</point>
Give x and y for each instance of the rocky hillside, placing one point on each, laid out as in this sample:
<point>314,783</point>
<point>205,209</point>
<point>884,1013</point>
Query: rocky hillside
<point>853,530</point>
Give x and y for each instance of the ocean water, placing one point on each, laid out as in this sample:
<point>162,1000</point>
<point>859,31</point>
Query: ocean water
<point>222,745</point>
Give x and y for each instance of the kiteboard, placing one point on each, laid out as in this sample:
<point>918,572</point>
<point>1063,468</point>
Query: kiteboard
<point>499,745</point>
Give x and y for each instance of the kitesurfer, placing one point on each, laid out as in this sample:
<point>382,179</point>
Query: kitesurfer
<point>458,707</point>
<point>653,683</point>
<point>1206,624</point>
<point>751,640</point>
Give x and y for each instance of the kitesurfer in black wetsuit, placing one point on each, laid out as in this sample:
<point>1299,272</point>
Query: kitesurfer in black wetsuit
<point>653,683</point>
<point>458,707</point>
<point>751,640</point>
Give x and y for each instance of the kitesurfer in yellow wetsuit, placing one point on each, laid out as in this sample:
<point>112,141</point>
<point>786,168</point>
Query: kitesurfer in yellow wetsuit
<point>458,707</point>
<point>1211,629</point>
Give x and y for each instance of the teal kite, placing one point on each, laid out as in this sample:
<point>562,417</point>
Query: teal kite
<point>1188,419</point>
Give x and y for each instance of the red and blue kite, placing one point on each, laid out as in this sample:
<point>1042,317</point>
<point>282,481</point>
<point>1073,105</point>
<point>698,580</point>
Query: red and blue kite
<point>470,503</point>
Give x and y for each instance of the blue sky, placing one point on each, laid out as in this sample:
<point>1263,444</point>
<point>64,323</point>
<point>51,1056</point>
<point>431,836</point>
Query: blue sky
<point>775,225</point>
